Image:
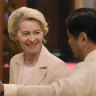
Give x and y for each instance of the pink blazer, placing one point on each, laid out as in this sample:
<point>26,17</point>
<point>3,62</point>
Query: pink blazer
<point>49,68</point>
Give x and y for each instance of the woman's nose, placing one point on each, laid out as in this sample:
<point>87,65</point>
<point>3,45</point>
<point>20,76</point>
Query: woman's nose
<point>32,37</point>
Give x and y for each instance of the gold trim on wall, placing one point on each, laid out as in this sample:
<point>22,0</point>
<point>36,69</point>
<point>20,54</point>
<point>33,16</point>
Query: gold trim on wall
<point>77,4</point>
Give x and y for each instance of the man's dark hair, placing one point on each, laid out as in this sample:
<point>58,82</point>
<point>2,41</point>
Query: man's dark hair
<point>82,20</point>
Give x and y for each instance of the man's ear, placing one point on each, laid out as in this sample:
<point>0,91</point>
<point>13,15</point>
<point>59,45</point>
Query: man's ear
<point>83,38</point>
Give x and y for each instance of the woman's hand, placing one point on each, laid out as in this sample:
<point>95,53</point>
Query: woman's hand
<point>1,87</point>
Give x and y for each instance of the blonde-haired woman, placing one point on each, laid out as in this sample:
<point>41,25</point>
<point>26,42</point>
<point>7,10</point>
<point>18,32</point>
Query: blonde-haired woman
<point>36,65</point>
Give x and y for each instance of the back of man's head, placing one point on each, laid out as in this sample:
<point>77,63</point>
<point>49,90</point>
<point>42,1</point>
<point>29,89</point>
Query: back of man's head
<point>82,20</point>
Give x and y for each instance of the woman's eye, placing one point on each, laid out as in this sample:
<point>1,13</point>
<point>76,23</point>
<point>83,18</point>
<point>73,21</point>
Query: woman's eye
<point>25,34</point>
<point>37,32</point>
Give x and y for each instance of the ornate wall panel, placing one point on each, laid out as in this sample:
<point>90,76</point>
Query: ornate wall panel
<point>1,39</point>
<point>9,47</point>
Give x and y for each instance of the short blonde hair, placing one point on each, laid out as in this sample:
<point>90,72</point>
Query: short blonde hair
<point>25,13</point>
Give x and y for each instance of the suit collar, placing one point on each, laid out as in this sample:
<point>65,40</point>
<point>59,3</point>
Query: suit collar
<point>20,59</point>
<point>41,63</point>
<point>91,56</point>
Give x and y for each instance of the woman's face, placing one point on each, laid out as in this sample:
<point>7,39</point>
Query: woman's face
<point>30,36</point>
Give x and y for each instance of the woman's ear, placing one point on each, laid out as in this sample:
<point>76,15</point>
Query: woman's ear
<point>15,37</point>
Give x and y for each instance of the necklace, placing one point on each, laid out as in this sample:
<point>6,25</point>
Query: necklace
<point>29,62</point>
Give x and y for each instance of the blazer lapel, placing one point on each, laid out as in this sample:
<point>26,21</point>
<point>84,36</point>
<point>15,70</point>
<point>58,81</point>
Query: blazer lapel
<point>19,65</point>
<point>40,70</point>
